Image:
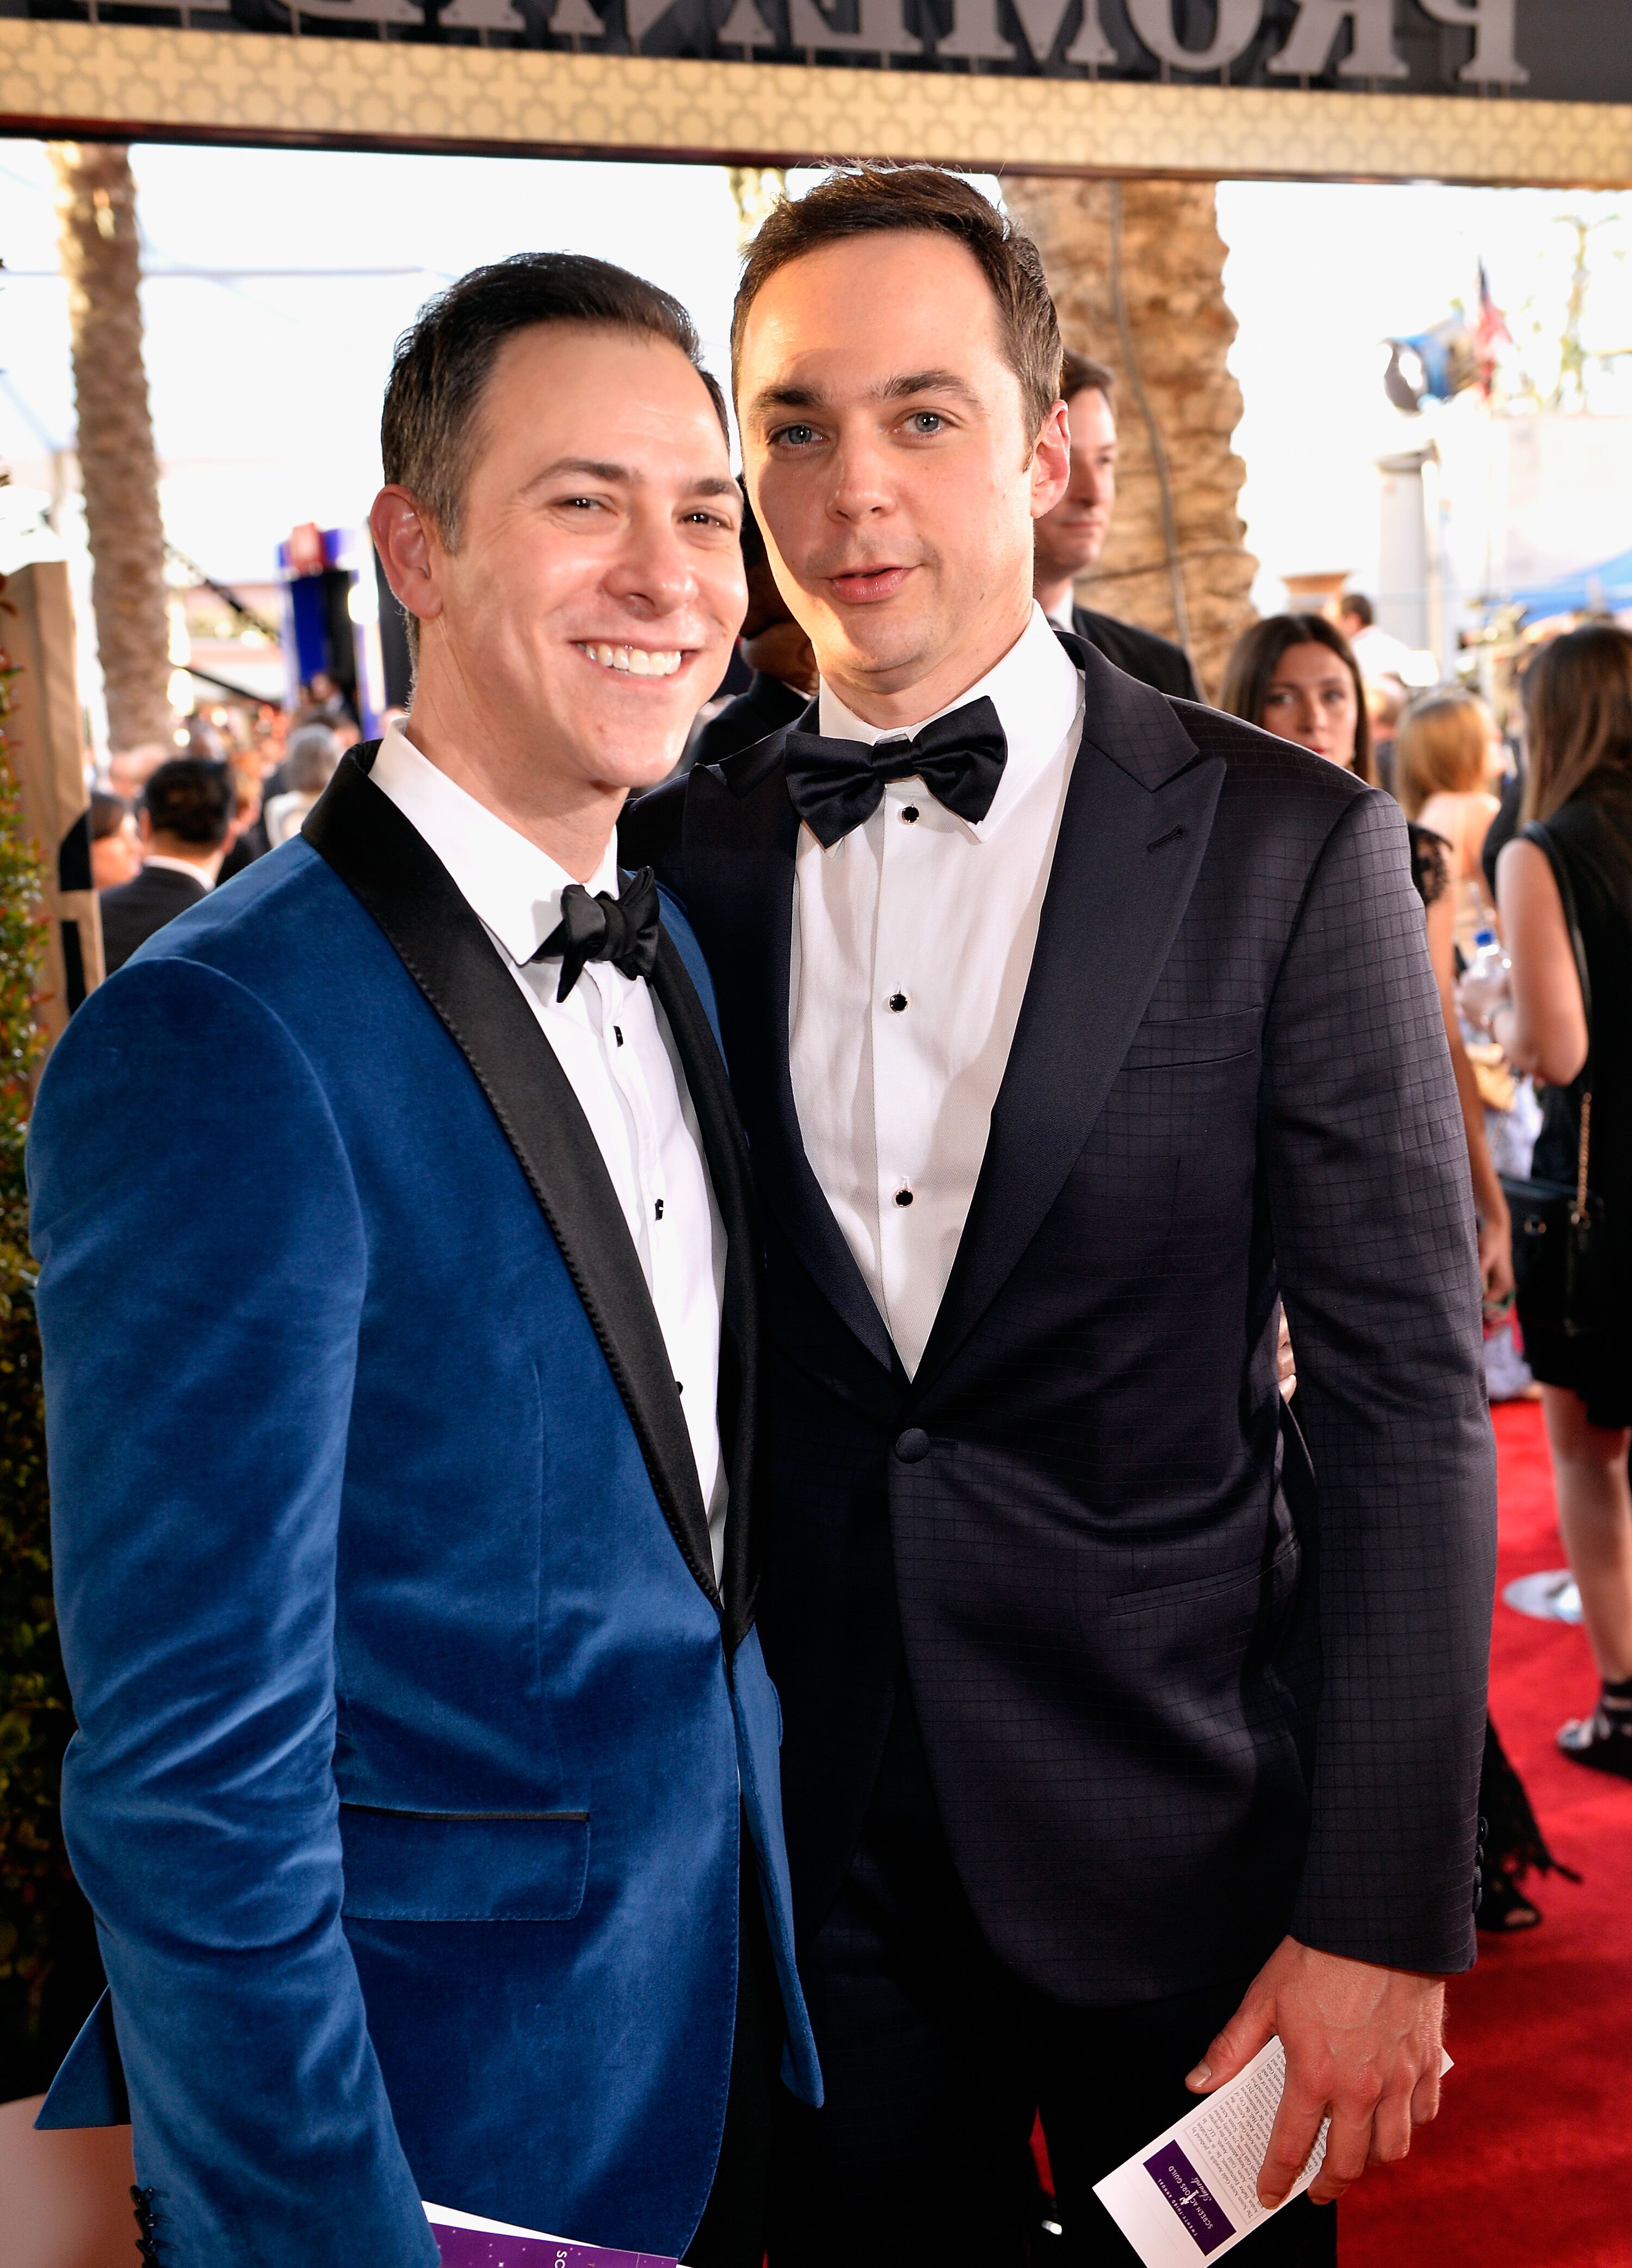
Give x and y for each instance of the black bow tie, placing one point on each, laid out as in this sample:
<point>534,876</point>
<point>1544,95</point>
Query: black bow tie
<point>622,929</point>
<point>838,784</point>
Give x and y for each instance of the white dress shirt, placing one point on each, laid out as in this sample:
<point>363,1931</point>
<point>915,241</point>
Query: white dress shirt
<point>205,880</point>
<point>613,1041</point>
<point>912,943</point>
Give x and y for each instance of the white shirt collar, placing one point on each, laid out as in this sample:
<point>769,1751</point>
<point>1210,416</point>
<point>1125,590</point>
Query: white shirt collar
<point>1064,616</point>
<point>1036,691</point>
<point>512,886</point>
<point>180,866</point>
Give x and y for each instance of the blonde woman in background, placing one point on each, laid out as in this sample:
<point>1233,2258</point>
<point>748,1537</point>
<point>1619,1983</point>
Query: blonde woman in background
<point>1444,752</point>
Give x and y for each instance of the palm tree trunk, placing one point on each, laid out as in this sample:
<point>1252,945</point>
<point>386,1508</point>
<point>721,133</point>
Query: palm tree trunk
<point>101,258</point>
<point>1137,271</point>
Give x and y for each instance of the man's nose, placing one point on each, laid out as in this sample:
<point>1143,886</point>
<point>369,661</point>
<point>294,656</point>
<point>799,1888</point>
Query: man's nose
<point>652,572</point>
<point>859,490</point>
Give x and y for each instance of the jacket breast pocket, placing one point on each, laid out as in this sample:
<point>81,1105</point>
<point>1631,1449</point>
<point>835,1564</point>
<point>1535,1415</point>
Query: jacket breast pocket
<point>1193,1040</point>
<point>454,1866</point>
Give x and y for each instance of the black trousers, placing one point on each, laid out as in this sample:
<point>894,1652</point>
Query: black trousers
<point>733,2230</point>
<point>936,2061</point>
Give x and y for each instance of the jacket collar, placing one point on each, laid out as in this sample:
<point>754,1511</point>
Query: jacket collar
<point>1134,830</point>
<point>390,868</point>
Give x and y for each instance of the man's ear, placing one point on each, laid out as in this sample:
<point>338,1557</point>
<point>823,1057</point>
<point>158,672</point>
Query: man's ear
<point>1051,461</point>
<point>409,551</point>
<point>145,829</point>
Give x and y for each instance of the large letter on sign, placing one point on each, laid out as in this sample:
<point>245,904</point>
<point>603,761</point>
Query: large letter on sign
<point>1493,62</point>
<point>1309,42</point>
<point>880,29</point>
<point>1152,25</point>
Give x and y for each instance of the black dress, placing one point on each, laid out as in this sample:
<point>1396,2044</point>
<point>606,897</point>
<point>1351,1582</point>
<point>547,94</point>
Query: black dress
<point>1593,836</point>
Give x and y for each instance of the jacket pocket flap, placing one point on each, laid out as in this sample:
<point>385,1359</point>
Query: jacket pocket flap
<point>447,1865</point>
<point>1194,1039</point>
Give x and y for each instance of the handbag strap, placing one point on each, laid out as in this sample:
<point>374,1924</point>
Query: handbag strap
<point>1537,831</point>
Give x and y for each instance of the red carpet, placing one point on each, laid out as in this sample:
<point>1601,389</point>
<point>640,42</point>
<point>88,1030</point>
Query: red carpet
<point>1529,2164</point>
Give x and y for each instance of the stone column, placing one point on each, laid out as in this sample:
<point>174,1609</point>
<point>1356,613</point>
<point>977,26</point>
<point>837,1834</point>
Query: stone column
<point>1137,271</point>
<point>101,258</point>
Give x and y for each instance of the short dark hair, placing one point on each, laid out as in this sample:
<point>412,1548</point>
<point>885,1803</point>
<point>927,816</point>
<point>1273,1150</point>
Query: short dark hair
<point>192,798</point>
<point>1079,373</point>
<point>1356,603</point>
<point>862,200</point>
<point>430,429</point>
<point>108,813</point>
<point>1256,656</point>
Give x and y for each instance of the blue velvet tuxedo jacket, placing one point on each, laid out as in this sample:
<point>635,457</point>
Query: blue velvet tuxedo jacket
<point>414,1733</point>
<point>1180,1693</point>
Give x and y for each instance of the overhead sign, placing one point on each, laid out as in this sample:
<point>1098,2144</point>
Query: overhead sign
<point>1560,50</point>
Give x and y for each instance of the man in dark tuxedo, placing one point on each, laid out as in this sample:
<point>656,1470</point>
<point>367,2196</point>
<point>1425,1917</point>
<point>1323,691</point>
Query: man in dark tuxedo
<point>185,818</point>
<point>1071,537</point>
<point>399,1292</point>
<point>1076,1028</point>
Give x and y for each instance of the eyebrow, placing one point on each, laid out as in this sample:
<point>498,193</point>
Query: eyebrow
<point>596,468</point>
<point>889,389</point>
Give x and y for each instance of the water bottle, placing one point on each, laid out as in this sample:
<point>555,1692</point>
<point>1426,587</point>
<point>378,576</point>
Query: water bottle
<point>1488,960</point>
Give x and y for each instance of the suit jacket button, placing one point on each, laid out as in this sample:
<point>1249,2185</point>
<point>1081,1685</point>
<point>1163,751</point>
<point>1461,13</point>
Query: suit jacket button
<point>914,1446</point>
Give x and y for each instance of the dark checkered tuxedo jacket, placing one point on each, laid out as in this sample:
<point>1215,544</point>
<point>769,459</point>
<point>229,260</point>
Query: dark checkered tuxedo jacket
<point>1184,1683</point>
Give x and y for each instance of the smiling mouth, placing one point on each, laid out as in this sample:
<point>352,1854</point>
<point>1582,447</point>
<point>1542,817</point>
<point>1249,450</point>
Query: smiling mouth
<point>633,660</point>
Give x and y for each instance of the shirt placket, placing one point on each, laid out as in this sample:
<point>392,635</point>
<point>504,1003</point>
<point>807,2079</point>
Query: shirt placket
<point>897,1112</point>
<point>612,1008</point>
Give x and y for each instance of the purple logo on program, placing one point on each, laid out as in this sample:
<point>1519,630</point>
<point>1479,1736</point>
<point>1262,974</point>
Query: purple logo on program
<point>1189,2197</point>
<point>475,2247</point>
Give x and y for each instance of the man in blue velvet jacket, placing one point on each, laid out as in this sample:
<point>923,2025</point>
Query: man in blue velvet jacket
<point>398,1292</point>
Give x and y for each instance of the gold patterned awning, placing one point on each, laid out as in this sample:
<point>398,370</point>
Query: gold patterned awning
<point>66,79</point>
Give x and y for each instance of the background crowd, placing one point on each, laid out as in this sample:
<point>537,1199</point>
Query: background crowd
<point>1521,846</point>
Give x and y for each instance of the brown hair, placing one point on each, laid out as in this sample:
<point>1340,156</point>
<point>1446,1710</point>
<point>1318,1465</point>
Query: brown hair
<point>1256,656</point>
<point>1579,709</point>
<point>1079,373</point>
<point>1443,747</point>
<point>865,199</point>
<point>430,430</point>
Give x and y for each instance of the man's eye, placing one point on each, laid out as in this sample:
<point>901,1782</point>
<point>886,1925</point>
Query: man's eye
<point>797,437</point>
<point>926,420</point>
<point>581,503</point>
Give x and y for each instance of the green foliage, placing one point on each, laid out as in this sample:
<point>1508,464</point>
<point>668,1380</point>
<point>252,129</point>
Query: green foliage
<point>35,1884</point>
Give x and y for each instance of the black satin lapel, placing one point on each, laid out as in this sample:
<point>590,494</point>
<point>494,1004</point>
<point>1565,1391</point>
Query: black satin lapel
<point>727,1155</point>
<point>737,857</point>
<point>388,865</point>
<point>1125,864</point>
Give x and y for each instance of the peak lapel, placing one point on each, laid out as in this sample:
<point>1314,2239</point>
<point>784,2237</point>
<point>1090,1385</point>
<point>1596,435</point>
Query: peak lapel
<point>1135,826</point>
<point>390,868</point>
<point>737,855</point>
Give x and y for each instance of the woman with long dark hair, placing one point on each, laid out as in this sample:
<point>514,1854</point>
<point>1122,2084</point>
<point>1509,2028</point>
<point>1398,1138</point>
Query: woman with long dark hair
<point>1296,676</point>
<point>1574,857</point>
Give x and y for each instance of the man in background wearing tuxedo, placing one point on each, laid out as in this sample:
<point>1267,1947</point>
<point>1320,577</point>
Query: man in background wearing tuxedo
<point>1071,537</point>
<point>185,820</point>
<point>399,1295</point>
<point>1076,1028</point>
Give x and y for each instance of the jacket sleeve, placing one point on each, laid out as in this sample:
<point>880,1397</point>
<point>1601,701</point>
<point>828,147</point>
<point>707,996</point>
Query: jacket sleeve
<point>201,1283</point>
<point>1372,1211</point>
